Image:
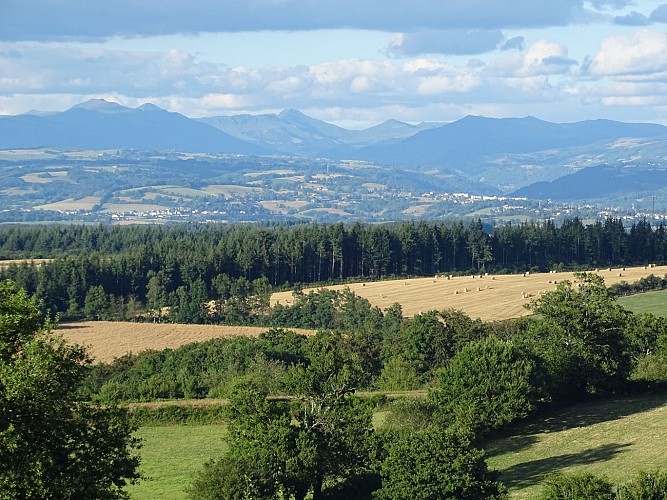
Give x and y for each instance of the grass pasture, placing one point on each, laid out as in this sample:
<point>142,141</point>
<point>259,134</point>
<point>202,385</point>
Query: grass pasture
<point>650,302</point>
<point>488,297</point>
<point>107,340</point>
<point>615,438</point>
<point>172,455</point>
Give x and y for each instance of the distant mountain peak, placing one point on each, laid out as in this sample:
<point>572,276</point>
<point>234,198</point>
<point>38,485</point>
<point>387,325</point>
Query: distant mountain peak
<point>100,105</point>
<point>149,107</point>
<point>291,113</point>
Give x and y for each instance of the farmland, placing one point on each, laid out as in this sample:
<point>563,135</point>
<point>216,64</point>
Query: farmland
<point>172,455</point>
<point>486,297</point>
<point>651,302</point>
<point>107,340</point>
<point>615,438</point>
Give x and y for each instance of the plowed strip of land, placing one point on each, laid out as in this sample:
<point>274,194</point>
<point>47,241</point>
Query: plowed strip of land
<point>107,340</point>
<point>488,297</point>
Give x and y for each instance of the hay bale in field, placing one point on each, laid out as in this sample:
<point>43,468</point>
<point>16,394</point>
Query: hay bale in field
<point>479,289</point>
<point>619,275</point>
<point>493,278</point>
<point>465,289</point>
<point>456,292</point>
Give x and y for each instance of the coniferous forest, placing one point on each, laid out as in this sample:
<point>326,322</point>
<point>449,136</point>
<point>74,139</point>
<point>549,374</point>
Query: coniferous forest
<point>116,270</point>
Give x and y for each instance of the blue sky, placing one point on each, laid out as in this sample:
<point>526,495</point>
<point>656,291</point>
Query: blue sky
<point>351,62</point>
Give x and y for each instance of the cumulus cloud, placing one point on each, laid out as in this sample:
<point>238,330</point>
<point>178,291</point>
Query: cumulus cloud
<point>456,41</point>
<point>86,20</point>
<point>542,58</point>
<point>641,55</point>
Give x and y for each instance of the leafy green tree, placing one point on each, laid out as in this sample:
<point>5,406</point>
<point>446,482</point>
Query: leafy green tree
<point>486,385</point>
<point>325,440</point>
<point>436,463</point>
<point>581,338</point>
<point>577,487</point>
<point>52,446</point>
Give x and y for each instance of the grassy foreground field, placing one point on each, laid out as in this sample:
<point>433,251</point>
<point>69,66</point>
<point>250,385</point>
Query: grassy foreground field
<point>172,455</point>
<point>650,302</point>
<point>614,438</point>
<point>488,297</point>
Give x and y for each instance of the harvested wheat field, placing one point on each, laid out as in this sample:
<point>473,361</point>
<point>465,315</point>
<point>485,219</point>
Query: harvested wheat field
<point>492,297</point>
<point>107,340</point>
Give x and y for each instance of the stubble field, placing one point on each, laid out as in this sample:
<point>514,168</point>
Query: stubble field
<point>107,340</point>
<point>492,297</point>
<point>488,298</point>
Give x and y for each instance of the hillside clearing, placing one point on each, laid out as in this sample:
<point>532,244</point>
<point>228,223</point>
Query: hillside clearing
<point>489,297</point>
<point>107,340</point>
<point>172,455</point>
<point>615,438</point>
<point>650,302</point>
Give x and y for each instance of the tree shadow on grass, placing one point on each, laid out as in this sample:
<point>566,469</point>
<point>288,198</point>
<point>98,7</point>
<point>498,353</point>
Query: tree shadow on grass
<point>585,414</point>
<point>531,473</point>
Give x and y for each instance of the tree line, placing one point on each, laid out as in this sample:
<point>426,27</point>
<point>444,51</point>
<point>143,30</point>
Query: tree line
<point>118,271</point>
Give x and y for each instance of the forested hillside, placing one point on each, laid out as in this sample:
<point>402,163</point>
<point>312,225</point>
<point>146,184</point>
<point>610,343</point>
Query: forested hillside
<point>105,272</point>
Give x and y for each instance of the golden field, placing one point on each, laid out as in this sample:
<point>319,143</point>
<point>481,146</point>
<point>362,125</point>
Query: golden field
<point>7,263</point>
<point>107,340</point>
<point>492,297</point>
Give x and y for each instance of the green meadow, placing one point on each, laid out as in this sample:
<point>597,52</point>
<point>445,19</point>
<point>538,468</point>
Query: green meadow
<point>650,302</point>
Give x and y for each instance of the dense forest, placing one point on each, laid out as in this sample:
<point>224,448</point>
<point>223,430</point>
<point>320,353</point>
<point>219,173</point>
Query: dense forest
<point>104,272</point>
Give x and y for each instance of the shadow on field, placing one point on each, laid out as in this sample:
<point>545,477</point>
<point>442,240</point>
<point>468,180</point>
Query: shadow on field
<point>532,473</point>
<point>70,326</point>
<point>525,434</point>
<point>583,415</point>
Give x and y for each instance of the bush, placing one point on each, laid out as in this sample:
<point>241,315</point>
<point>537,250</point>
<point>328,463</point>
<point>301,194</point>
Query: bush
<point>650,368</point>
<point>398,375</point>
<point>423,465</point>
<point>646,486</point>
<point>577,487</point>
<point>222,479</point>
<point>410,414</point>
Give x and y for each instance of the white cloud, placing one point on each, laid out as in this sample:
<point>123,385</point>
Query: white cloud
<point>641,54</point>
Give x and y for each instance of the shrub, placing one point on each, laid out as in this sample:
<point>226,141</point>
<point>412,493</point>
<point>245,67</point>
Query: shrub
<point>646,486</point>
<point>577,487</point>
<point>398,375</point>
<point>423,465</point>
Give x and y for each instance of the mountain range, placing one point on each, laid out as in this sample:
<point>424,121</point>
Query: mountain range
<point>526,156</point>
